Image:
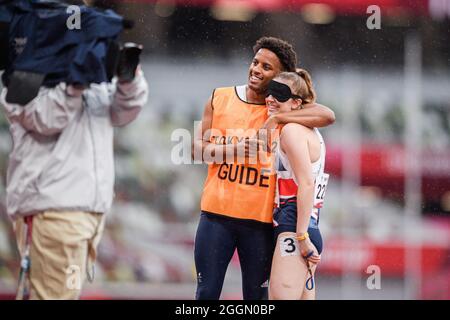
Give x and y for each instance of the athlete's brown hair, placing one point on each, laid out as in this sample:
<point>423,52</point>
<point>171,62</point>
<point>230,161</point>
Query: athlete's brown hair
<point>283,50</point>
<point>302,84</point>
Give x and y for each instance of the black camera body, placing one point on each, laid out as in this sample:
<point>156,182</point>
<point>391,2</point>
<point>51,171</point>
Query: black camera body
<point>117,60</point>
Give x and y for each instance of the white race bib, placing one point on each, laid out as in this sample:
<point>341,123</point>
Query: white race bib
<point>319,190</point>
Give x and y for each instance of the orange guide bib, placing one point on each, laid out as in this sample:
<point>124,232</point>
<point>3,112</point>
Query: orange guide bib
<point>243,191</point>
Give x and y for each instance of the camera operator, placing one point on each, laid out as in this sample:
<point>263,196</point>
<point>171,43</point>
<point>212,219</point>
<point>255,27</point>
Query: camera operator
<point>60,177</point>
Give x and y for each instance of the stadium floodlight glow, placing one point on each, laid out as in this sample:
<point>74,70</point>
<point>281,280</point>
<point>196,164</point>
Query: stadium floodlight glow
<point>164,8</point>
<point>225,10</point>
<point>317,13</point>
<point>439,9</point>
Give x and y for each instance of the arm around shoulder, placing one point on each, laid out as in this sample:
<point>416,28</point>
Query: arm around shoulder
<point>312,115</point>
<point>326,114</point>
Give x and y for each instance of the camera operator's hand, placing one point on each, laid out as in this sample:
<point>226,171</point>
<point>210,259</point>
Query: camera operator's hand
<point>138,70</point>
<point>136,74</point>
<point>75,90</point>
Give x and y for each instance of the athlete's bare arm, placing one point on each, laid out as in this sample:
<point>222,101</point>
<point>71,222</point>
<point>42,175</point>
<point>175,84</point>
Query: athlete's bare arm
<point>294,142</point>
<point>217,153</point>
<point>312,115</point>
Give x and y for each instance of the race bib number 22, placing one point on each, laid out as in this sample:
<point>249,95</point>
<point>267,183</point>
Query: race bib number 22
<point>320,189</point>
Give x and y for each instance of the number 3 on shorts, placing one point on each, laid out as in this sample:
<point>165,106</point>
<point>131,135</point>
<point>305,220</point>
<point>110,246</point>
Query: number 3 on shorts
<point>288,246</point>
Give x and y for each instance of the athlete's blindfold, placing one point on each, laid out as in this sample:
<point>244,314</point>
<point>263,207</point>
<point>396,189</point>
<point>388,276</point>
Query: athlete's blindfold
<point>280,91</point>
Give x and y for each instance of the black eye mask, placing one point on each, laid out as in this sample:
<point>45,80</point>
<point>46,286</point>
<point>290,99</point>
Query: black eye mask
<point>280,91</point>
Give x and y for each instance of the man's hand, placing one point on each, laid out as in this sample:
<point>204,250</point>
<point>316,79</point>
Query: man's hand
<point>249,148</point>
<point>271,122</point>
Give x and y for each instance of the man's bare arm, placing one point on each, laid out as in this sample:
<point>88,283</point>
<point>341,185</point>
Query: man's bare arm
<point>202,138</point>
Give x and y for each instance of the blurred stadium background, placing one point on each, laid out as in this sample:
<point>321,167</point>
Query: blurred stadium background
<point>388,153</point>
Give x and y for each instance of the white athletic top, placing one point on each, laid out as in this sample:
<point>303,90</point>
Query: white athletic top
<point>287,184</point>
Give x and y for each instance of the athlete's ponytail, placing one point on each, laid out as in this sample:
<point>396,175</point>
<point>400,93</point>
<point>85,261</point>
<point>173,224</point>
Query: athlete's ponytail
<point>306,90</point>
<point>302,84</point>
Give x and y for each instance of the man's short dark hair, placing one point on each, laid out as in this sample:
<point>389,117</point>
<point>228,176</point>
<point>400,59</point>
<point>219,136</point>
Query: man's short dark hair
<point>283,50</point>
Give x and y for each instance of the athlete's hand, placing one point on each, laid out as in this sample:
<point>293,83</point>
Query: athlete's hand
<point>309,251</point>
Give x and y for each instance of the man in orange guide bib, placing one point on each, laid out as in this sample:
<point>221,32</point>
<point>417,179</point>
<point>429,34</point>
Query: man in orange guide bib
<point>238,196</point>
